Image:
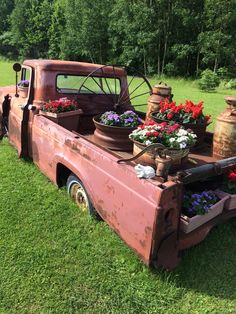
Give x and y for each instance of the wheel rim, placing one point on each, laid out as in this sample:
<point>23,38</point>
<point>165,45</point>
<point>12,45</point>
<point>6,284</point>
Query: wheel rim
<point>79,195</point>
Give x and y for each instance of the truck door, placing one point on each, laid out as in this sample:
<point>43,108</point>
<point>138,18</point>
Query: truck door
<point>19,130</point>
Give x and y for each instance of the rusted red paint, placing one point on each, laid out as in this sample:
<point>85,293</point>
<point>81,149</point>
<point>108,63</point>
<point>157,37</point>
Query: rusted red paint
<point>144,213</point>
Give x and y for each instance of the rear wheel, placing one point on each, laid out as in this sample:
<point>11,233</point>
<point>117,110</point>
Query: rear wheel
<point>78,193</point>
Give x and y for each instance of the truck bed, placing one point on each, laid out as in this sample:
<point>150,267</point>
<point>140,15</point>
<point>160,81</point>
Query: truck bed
<point>197,157</point>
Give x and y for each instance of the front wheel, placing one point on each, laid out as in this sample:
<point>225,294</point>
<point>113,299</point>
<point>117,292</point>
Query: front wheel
<point>78,193</point>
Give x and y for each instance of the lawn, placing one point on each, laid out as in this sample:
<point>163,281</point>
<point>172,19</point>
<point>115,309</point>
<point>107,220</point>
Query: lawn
<point>56,259</point>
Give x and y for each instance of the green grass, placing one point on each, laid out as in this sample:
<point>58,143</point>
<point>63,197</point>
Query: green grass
<point>7,75</point>
<point>55,259</point>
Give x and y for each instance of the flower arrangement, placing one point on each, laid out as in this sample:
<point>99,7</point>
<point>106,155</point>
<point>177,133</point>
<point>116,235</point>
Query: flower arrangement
<point>127,119</point>
<point>229,184</point>
<point>198,203</point>
<point>183,113</point>
<point>61,105</point>
<point>23,83</point>
<point>172,136</point>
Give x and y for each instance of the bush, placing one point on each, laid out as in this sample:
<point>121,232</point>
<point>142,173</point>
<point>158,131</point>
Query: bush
<point>208,81</point>
<point>223,73</point>
<point>231,84</point>
<point>170,69</point>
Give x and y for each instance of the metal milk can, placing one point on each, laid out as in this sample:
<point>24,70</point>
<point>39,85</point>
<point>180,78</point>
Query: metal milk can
<point>224,140</point>
<point>159,92</point>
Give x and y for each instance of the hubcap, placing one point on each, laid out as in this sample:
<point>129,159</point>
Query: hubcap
<point>78,194</point>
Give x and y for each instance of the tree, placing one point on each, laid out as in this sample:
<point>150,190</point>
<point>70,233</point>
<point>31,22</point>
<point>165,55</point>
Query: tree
<point>30,21</point>
<point>56,30</point>
<point>218,38</point>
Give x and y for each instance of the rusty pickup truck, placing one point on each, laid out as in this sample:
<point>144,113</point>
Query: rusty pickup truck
<point>145,213</point>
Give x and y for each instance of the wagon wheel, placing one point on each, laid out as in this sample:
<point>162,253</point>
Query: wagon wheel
<point>105,81</point>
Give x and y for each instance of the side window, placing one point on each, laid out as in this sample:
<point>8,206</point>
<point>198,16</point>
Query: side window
<point>25,74</point>
<point>23,84</point>
<point>72,84</point>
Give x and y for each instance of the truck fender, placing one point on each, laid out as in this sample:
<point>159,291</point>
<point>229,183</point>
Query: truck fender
<point>66,173</point>
<point>64,168</point>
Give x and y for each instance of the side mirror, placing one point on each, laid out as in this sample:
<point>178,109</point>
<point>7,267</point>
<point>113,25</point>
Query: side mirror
<point>16,68</point>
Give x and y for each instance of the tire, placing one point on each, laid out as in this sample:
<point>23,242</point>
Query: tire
<point>78,193</point>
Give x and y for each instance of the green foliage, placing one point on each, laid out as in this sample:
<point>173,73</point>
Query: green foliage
<point>172,37</point>
<point>56,30</point>
<point>231,84</point>
<point>209,80</point>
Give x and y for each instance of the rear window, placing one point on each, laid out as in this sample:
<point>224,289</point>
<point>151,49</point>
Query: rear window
<point>73,84</point>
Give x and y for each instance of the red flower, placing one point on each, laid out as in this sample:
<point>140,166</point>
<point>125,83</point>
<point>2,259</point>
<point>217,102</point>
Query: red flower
<point>163,124</point>
<point>232,176</point>
<point>170,116</point>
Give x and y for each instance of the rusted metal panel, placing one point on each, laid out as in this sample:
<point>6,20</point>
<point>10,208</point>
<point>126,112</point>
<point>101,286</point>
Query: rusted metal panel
<point>126,203</point>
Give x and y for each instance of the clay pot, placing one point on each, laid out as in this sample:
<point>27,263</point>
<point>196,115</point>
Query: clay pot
<point>112,137</point>
<point>178,156</point>
<point>198,129</point>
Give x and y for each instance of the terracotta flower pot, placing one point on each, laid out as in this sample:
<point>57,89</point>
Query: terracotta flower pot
<point>198,129</point>
<point>69,120</point>
<point>113,137</point>
<point>230,203</point>
<point>188,224</point>
<point>178,156</point>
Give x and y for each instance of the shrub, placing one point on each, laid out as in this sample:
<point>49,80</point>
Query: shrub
<point>208,81</point>
<point>223,73</point>
<point>231,84</point>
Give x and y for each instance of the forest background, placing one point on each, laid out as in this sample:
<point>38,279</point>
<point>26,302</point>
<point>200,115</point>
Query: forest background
<point>171,37</point>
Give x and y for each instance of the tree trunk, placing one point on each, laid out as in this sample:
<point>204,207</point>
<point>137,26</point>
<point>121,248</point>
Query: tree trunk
<point>197,62</point>
<point>215,65</point>
<point>144,62</point>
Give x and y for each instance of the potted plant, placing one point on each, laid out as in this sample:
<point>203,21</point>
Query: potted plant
<point>199,208</point>
<point>189,115</point>
<point>113,129</point>
<point>229,189</point>
<point>63,111</point>
<point>174,137</point>
<point>23,87</point>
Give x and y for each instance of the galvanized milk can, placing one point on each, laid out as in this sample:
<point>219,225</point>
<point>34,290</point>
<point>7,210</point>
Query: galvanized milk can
<point>224,140</point>
<point>159,92</point>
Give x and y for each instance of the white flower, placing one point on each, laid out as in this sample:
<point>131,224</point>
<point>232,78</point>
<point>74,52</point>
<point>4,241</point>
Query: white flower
<point>148,143</point>
<point>172,139</point>
<point>182,132</point>
<point>182,139</point>
<point>182,145</point>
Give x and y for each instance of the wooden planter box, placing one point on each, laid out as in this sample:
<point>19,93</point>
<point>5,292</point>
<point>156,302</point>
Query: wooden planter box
<point>189,224</point>
<point>69,120</point>
<point>230,202</point>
